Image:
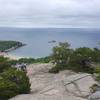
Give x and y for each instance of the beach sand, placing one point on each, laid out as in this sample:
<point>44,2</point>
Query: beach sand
<point>12,57</point>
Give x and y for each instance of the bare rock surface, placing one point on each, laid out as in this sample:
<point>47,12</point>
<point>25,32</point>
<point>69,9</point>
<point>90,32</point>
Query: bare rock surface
<point>95,96</point>
<point>65,85</point>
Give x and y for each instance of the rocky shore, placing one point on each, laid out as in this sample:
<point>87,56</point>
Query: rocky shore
<point>7,46</point>
<point>15,47</point>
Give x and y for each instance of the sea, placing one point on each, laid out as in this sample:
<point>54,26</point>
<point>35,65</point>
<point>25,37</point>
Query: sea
<point>40,40</point>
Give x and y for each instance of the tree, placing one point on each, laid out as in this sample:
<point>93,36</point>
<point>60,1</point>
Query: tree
<point>61,55</point>
<point>82,59</point>
<point>96,55</point>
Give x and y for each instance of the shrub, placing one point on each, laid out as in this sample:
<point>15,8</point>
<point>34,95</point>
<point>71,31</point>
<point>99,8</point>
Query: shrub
<point>43,60</point>
<point>79,60</point>
<point>26,60</point>
<point>97,75</point>
<point>13,82</point>
<point>54,70</point>
<point>61,56</point>
<point>7,89</point>
<point>97,70</point>
<point>4,66</point>
<point>94,88</point>
<point>18,77</point>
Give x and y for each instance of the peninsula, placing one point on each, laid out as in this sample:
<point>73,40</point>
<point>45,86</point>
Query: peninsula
<point>7,46</point>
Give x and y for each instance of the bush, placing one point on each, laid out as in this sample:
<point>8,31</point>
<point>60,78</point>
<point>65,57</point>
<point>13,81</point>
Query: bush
<point>8,89</point>
<point>54,70</point>
<point>79,60</point>
<point>97,70</point>
<point>4,66</point>
<point>43,60</point>
<point>61,57</point>
<point>31,60</point>
<point>13,82</point>
<point>94,88</point>
<point>26,60</point>
<point>98,77</point>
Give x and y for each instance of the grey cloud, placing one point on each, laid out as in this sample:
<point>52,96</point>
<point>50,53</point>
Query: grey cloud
<point>50,13</point>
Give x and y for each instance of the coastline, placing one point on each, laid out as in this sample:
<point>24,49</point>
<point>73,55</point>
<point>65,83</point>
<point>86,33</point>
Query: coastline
<point>14,48</point>
<point>12,57</point>
<point>5,53</point>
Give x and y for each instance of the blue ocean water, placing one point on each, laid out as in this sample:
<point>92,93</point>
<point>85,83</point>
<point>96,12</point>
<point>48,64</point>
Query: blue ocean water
<point>37,39</point>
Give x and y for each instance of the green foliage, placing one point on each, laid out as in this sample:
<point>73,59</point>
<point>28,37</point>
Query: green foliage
<point>18,77</point>
<point>54,70</point>
<point>96,55</point>
<point>22,60</point>
<point>94,88</point>
<point>31,60</point>
<point>81,54</point>
<point>4,64</point>
<point>12,81</point>
<point>98,77</point>
<point>5,45</point>
<point>78,60</point>
<point>26,60</point>
<point>3,59</point>
<point>81,60</point>
<point>97,70</point>
<point>8,89</point>
<point>61,54</point>
<point>43,60</point>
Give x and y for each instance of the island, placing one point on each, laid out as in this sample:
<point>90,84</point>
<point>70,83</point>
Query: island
<point>7,46</point>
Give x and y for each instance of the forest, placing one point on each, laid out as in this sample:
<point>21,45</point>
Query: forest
<point>6,46</point>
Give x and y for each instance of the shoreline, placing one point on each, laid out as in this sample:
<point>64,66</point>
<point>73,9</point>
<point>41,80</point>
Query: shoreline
<point>9,45</point>
<point>14,48</point>
<point>12,57</point>
<point>5,53</point>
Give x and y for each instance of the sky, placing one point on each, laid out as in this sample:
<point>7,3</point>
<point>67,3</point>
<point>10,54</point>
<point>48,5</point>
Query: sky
<point>50,13</point>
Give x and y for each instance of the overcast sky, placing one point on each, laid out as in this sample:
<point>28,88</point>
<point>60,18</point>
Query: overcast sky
<point>50,13</point>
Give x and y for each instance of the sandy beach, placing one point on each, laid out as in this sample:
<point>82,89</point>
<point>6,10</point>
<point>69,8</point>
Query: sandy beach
<point>12,57</point>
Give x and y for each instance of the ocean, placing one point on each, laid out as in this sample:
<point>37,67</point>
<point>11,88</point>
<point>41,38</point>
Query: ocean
<point>37,39</point>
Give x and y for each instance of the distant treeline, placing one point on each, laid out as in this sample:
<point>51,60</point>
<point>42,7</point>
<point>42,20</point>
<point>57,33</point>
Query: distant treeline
<point>31,60</point>
<point>6,46</point>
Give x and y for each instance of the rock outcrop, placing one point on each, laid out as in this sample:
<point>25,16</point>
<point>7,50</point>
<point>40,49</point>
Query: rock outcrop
<point>65,85</point>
